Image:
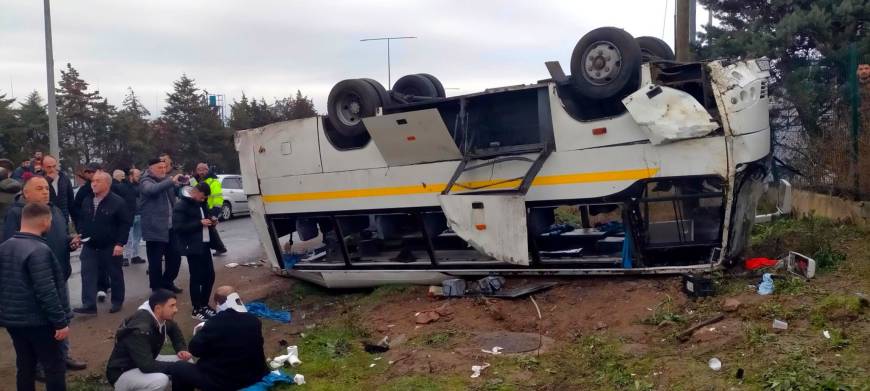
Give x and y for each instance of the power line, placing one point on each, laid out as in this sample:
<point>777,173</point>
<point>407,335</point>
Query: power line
<point>388,39</point>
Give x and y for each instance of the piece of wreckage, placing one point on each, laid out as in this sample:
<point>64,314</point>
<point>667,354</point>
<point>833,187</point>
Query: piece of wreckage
<point>634,164</point>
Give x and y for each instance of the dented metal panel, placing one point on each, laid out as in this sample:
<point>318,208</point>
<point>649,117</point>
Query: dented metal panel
<point>245,141</point>
<point>493,224</point>
<point>412,137</point>
<point>667,114</point>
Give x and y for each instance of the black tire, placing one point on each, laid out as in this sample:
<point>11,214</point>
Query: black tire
<point>416,85</point>
<point>652,48</point>
<point>438,86</point>
<point>226,211</point>
<point>606,64</point>
<point>382,92</point>
<point>349,102</point>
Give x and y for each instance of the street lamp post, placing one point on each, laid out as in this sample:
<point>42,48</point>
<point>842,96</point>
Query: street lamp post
<point>388,39</point>
<point>54,144</point>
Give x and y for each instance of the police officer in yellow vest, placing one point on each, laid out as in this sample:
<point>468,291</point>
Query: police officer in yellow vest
<point>215,200</point>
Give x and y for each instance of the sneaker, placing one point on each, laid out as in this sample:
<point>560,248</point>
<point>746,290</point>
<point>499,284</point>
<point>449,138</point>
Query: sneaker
<point>126,262</point>
<point>208,312</point>
<point>137,260</point>
<point>75,365</point>
<point>175,289</point>
<point>101,296</point>
<point>85,311</point>
<point>115,308</point>
<point>197,314</point>
<point>314,255</point>
<point>218,253</point>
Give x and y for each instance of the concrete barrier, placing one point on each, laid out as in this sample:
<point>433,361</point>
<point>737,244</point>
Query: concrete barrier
<point>809,203</point>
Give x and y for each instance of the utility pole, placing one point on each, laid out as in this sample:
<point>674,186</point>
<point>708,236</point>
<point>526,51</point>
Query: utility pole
<point>388,39</point>
<point>682,29</point>
<point>54,144</point>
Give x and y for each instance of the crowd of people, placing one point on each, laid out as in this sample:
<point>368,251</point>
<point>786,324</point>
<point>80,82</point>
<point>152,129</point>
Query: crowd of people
<point>44,220</point>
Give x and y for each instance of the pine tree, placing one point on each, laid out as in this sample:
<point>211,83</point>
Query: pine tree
<point>10,135</point>
<point>33,118</point>
<point>261,114</point>
<point>200,134</point>
<point>76,128</point>
<point>240,114</point>
<point>134,133</point>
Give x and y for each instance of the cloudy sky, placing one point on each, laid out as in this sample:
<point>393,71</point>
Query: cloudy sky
<point>271,48</point>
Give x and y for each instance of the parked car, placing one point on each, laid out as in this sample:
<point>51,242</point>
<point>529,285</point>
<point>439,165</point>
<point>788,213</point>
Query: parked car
<point>235,201</point>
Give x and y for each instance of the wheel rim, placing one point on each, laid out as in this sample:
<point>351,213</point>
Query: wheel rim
<point>226,212</point>
<point>348,108</point>
<point>602,62</point>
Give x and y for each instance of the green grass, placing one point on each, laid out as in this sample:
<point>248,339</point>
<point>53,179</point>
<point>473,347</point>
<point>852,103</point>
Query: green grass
<point>87,383</point>
<point>664,313</point>
<point>837,308</point>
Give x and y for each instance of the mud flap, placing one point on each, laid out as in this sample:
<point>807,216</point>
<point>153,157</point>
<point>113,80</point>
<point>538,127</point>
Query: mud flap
<point>495,225</point>
<point>666,114</point>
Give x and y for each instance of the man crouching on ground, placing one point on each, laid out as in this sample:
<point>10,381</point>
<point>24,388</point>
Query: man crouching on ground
<point>134,363</point>
<point>229,348</point>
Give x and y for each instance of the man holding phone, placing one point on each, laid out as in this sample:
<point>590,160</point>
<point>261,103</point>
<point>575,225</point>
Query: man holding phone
<point>195,227</point>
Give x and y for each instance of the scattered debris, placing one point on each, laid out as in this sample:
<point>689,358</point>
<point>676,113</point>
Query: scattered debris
<point>600,325</point>
<point>731,305</point>
<point>800,264</point>
<point>827,334</point>
<point>426,317</point>
<point>292,358</point>
<point>490,284</point>
<point>444,310</point>
<point>299,379</point>
<point>759,263</point>
<point>476,369</point>
<point>454,287</point>
<point>685,334</point>
<point>780,325</point>
<point>261,310</point>
<point>496,350</point>
<point>381,347</point>
<point>436,291</point>
<point>766,286</point>
<point>715,364</point>
<point>372,365</point>
<point>232,265</point>
<point>739,374</point>
<point>697,286</point>
<point>522,291</point>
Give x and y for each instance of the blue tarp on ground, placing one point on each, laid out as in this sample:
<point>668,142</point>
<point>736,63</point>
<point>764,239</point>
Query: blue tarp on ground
<point>269,381</point>
<point>260,309</point>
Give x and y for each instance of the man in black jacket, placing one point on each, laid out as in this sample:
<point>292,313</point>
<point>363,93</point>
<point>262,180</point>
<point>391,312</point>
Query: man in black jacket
<point>229,348</point>
<point>57,237</point>
<point>84,192</point>
<point>104,223</point>
<point>34,301</point>
<point>194,227</point>
<point>119,187</point>
<point>60,189</point>
<point>135,364</point>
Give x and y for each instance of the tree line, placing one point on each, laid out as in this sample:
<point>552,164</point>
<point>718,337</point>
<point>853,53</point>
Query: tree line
<point>90,129</point>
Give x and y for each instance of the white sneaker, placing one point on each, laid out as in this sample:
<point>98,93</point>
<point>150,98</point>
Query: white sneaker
<point>198,315</point>
<point>101,296</point>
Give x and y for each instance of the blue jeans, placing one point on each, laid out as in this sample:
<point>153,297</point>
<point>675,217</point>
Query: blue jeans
<point>131,249</point>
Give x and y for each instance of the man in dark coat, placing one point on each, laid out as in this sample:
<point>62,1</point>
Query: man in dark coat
<point>119,187</point>
<point>83,192</point>
<point>134,364</point>
<point>156,199</point>
<point>8,189</point>
<point>34,301</point>
<point>104,223</point>
<point>229,348</point>
<point>58,239</point>
<point>61,190</point>
<point>194,228</point>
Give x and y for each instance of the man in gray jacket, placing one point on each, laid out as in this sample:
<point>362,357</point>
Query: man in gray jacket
<point>156,200</point>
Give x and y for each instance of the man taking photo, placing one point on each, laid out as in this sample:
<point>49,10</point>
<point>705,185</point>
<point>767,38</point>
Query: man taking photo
<point>156,200</point>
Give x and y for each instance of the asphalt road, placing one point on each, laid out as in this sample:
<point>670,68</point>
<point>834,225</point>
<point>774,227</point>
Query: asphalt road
<point>238,235</point>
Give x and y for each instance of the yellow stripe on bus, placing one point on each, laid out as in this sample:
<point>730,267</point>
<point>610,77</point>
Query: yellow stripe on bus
<point>565,179</point>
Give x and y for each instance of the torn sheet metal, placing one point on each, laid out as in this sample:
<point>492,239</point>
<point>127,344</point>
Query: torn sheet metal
<point>493,224</point>
<point>666,114</point>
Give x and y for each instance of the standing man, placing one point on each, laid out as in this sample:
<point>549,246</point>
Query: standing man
<point>120,188</point>
<point>134,364</point>
<point>194,228</point>
<point>19,172</point>
<point>229,348</point>
<point>8,189</point>
<point>61,187</point>
<point>61,243</point>
<point>34,301</point>
<point>215,201</point>
<point>105,223</point>
<point>131,195</point>
<point>156,200</point>
<point>84,191</point>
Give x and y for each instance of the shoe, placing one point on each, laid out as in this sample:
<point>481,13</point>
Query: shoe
<point>137,260</point>
<point>218,253</point>
<point>74,365</point>
<point>208,312</point>
<point>175,289</point>
<point>114,309</point>
<point>101,296</point>
<point>126,262</point>
<point>314,255</point>
<point>39,374</point>
<point>85,311</point>
<point>197,314</point>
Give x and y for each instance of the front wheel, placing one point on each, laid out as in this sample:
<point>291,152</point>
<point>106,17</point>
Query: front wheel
<point>606,64</point>
<point>226,211</point>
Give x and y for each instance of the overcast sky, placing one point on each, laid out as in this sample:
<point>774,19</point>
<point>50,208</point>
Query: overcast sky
<point>271,48</point>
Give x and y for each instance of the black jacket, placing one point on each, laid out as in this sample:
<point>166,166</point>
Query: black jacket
<point>229,349</point>
<point>8,189</point>
<point>75,209</point>
<point>186,217</point>
<point>32,288</point>
<point>63,199</point>
<point>109,226</point>
<point>138,341</point>
<point>129,192</point>
<point>58,237</point>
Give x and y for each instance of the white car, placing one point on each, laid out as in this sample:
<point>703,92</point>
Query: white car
<point>235,201</point>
